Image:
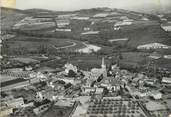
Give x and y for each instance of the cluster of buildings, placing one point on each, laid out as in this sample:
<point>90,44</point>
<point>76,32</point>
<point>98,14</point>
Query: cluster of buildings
<point>72,92</point>
<point>99,92</point>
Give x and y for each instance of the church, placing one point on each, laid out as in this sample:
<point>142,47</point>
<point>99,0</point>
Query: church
<point>100,71</point>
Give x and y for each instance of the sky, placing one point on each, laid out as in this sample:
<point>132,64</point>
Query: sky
<point>67,5</point>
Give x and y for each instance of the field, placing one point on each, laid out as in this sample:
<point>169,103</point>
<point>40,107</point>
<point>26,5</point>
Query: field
<point>84,62</point>
<point>142,33</point>
<point>38,26</point>
<point>10,17</point>
<point>54,63</point>
<point>137,59</point>
<point>87,62</point>
<point>33,44</point>
<point>164,63</point>
<point>58,112</point>
<point>134,56</point>
<point>138,33</point>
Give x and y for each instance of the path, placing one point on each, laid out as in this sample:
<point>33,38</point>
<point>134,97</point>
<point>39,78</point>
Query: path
<point>73,44</point>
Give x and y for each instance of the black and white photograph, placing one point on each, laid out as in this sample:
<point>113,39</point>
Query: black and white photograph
<point>85,58</point>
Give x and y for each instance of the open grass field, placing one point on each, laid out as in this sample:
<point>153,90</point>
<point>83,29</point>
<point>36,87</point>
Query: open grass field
<point>67,44</point>
<point>164,63</point>
<point>54,63</point>
<point>84,62</point>
<point>38,26</point>
<point>139,33</point>
<point>137,59</point>
<point>88,62</point>
<point>134,56</point>
<point>35,44</point>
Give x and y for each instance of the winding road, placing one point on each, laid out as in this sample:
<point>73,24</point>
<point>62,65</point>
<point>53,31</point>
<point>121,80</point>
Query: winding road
<point>73,44</point>
<point>86,48</point>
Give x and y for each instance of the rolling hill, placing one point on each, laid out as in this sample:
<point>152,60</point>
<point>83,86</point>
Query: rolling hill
<point>10,16</point>
<point>139,32</point>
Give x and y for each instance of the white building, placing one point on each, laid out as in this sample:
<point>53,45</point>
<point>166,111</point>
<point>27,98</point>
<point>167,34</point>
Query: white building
<point>80,18</point>
<point>90,33</point>
<point>38,75</point>
<point>101,15</point>
<point>15,103</point>
<point>144,19</point>
<point>153,46</point>
<point>69,67</point>
<point>86,28</point>
<point>167,56</point>
<point>166,27</point>
<point>99,91</point>
<point>122,23</point>
<point>68,80</point>
<point>62,23</point>
<point>156,95</point>
<point>66,16</point>
<point>63,30</point>
<point>118,39</point>
<point>116,28</point>
<point>166,80</point>
<point>5,111</point>
<point>87,90</point>
<point>45,94</point>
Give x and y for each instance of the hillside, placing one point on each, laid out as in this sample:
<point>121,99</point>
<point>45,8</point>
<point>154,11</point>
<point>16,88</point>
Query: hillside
<point>168,16</point>
<point>10,16</point>
<point>143,28</point>
<point>148,34</point>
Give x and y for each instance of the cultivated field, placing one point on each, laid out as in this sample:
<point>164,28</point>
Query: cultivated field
<point>32,44</point>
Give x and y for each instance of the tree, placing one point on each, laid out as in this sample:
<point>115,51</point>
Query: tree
<point>68,85</point>
<point>100,78</point>
<point>43,49</point>
<point>71,73</point>
<point>141,115</point>
<point>61,113</point>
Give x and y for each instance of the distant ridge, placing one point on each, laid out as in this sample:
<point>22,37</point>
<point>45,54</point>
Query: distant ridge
<point>6,9</point>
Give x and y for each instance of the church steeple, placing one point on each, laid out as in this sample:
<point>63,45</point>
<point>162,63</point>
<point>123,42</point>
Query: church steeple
<point>104,68</point>
<point>103,63</point>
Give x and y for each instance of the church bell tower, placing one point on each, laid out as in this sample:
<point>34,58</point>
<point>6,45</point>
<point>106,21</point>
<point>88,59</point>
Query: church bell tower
<point>103,66</point>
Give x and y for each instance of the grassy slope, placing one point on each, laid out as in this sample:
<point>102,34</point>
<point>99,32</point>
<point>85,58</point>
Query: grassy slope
<point>9,17</point>
<point>33,43</point>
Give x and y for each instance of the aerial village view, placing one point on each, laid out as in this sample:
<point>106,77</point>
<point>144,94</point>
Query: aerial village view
<point>93,62</point>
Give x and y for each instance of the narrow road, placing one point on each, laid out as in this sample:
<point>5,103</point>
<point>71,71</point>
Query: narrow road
<point>84,44</point>
<point>73,44</point>
<point>74,108</point>
<point>146,112</point>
